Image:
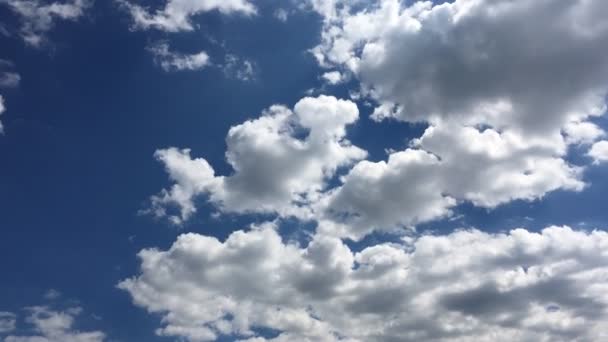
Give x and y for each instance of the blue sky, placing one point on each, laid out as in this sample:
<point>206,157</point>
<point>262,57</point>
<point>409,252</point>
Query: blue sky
<point>93,102</point>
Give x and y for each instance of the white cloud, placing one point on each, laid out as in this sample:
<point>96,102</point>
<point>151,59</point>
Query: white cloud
<point>2,109</point>
<point>7,322</point>
<point>473,62</point>
<point>277,172</point>
<point>174,61</point>
<point>177,14</point>
<point>333,77</point>
<point>464,286</point>
<point>39,17</point>
<point>281,14</point>
<point>582,132</point>
<point>55,326</point>
<point>447,165</point>
<point>281,161</point>
<point>241,69</point>
<point>9,79</point>
<point>599,151</point>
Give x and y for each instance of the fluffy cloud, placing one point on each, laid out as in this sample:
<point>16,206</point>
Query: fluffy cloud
<point>467,285</point>
<point>174,61</point>
<point>333,77</point>
<point>449,163</point>
<point>39,17</point>
<point>281,161</point>
<point>529,66</point>
<point>599,151</point>
<point>176,15</point>
<point>7,322</point>
<point>55,326</point>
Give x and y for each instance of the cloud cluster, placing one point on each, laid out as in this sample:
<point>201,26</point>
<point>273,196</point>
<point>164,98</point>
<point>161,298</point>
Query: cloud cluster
<point>465,286</point>
<point>39,17</point>
<point>48,325</point>
<point>174,61</point>
<point>528,66</point>
<point>448,164</point>
<point>284,162</point>
<point>177,14</point>
<point>281,161</point>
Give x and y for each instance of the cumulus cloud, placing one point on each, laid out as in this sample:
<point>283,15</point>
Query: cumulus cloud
<point>175,61</point>
<point>177,14</point>
<point>448,164</point>
<point>55,326</point>
<point>467,285</point>
<point>7,322</point>
<point>529,66</point>
<point>39,17</point>
<point>599,151</point>
<point>281,161</point>
<point>333,77</point>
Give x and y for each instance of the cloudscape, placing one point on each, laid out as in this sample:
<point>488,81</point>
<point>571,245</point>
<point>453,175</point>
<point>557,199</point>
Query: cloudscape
<point>310,170</point>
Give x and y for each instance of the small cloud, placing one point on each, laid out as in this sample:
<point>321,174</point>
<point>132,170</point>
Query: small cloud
<point>175,61</point>
<point>241,69</point>
<point>37,17</point>
<point>599,152</point>
<point>7,322</point>
<point>2,109</point>
<point>281,14</point>
<point>52,294</point>
<point>333,77</point>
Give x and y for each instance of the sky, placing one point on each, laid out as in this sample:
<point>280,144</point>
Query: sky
<point>276,170</point>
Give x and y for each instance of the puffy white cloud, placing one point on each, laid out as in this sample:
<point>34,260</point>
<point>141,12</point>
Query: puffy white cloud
<point>447,165</point>
<point>38,17</point>
<point>281,161</point>
<point>467,285</point>
<point>177,14</point>
<point>55,326</point>
<point>174,61</point>
<point>333,77</point>
<point>529,66</point>
<point>282,168</point>
<point>582,132</point>
<point>7,322</point>
<point>599,151</point>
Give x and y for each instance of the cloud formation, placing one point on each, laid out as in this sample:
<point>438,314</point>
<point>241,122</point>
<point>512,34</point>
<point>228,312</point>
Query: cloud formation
<point>528,66</point>
<point>175,61</point>
<point>467,285</point>
<point>39,17</point>
<point>448,164</point>
<point>48,325</point>
<point>599,151</point>
<point>7,322</point>
<point>177,14</point>
<point>281,161</point>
